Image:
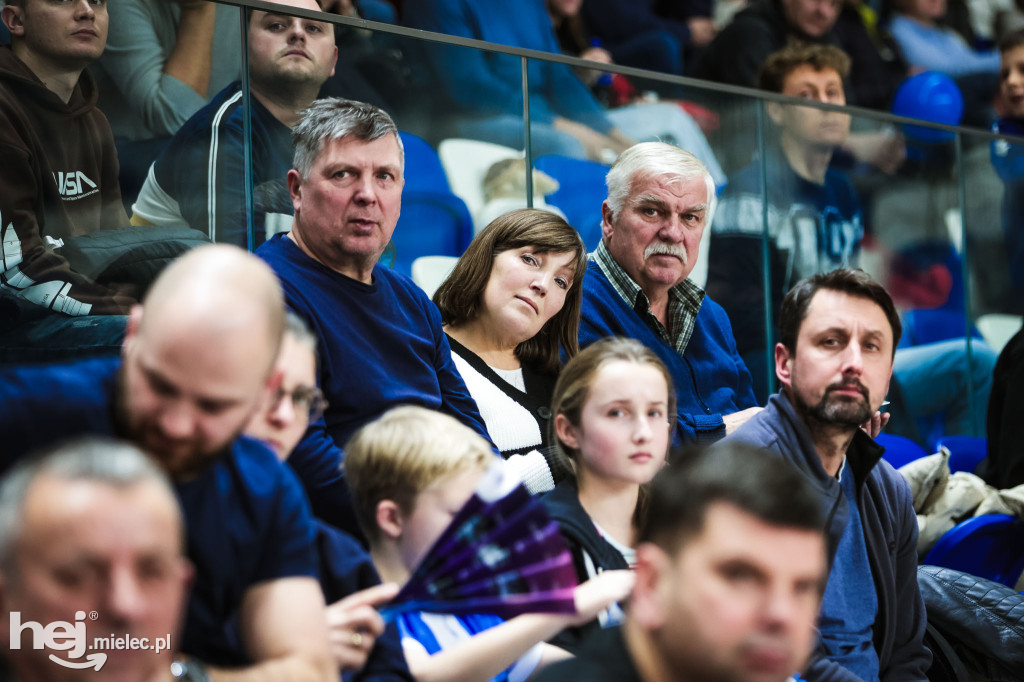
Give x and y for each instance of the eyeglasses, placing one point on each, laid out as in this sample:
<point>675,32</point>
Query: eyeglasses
<point>304,399</point>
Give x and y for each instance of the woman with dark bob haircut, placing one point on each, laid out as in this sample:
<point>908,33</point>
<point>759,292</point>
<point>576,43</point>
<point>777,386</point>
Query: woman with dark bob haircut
<point>511,308</point>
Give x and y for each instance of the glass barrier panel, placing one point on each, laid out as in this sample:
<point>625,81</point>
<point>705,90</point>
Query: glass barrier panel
<point>994,268</point>
<point>173,178</point>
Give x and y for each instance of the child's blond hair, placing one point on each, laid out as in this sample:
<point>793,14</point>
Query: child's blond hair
<point>403,453</point>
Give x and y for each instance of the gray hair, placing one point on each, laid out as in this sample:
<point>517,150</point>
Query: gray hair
<point>333,118</point>
<point>658,160</point>
<point>296,327</point>
<point>94,459</point>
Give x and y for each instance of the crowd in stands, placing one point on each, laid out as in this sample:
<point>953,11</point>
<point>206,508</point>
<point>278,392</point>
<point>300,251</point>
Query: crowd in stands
<point>231,428</point>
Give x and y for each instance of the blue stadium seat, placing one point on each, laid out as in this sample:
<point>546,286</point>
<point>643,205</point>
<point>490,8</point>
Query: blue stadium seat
<point>965,452</point>
<point>581,191</point>
<point>423,169</point>
<point>899,450</point>
<point>989,546</point>
<point>431,224</point>
<point>922,325</point>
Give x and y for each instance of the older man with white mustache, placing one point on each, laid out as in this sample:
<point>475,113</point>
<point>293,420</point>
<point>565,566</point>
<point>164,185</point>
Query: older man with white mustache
<point>660,200</point>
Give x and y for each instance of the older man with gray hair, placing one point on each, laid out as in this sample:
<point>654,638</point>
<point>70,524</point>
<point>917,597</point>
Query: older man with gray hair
<point>660,200</point>
<point>380,337</point>
<point>91,527</point>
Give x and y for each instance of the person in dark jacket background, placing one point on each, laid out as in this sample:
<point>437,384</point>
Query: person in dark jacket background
<point>59,180</point>
<point>730,568</point>
<point>838,333</point>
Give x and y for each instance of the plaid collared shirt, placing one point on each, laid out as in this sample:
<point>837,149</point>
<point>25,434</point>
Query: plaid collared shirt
<point>684,301</point>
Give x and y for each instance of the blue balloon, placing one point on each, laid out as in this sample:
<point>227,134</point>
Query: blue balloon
<point>929,96</point>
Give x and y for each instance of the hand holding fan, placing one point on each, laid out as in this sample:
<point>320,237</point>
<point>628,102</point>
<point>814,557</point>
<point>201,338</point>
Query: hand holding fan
<point>501,554</point>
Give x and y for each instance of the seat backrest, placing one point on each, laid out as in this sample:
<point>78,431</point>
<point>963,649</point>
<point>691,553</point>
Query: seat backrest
<point>580,193</point>
<point>431,224</point>
<point>965,452</point>
<point>989,546</point>
<point>423,169</point>
<point>430,271</point>
<point>899,450</point>
<point>466,163</point>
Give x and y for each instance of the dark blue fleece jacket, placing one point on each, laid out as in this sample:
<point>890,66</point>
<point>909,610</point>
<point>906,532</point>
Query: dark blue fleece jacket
<point>890,531</point>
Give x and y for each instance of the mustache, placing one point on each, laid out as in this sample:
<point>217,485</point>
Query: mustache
<point>853,383</point>
<point>658,248</point>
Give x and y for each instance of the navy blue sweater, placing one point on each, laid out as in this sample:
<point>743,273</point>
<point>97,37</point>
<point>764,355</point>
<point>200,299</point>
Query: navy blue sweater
<point>381,345</point>
<point>710,377</point>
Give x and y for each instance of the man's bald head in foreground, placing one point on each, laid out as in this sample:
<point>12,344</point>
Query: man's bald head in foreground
<point>199,356</point>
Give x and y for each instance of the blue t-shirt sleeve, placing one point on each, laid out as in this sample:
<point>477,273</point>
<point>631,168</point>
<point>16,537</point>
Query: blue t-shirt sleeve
<point>289,549</point>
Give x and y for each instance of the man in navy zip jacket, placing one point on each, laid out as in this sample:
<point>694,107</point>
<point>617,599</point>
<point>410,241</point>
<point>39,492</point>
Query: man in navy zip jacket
<point>660,200</point>
<point>838,334</point>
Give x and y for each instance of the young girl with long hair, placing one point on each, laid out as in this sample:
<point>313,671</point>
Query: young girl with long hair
<point>613,408</point>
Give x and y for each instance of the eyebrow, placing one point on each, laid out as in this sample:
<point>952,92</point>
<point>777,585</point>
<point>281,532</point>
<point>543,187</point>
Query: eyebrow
<point>651,199</point>
<point>289,17</point>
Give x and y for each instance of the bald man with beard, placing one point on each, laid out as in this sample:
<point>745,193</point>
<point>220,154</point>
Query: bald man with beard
<point>197,363</point>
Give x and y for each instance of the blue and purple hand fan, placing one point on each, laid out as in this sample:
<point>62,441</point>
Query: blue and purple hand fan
<point>501,554</point>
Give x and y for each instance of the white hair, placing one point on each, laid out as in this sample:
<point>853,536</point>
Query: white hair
<point>655,160</point>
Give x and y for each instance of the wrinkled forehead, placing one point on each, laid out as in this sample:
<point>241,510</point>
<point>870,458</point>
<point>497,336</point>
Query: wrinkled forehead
<point>60,506</point>
<point>383,151</point>
<point>645,185</point>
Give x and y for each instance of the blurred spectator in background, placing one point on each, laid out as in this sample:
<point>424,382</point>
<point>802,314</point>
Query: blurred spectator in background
<point>737,52</point>
<point>486,89</point>
<point>929,45</point>
<point>636,35</point>
<point>59,180</point>
<point>993,20</point>
<point>1008,158</point>
<point>164,59</point>
<point>199,179</point>
<point>815,224</point>
<point>814,215</point>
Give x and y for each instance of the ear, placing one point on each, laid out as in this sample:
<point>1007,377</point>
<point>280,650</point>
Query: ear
<point>783,365</point>
<point>645,604</point>
<point>566,432</point>
<point>334,60</point>
<point>390,519</point>
<point>131,330</point>
<point>13,20</point>
<point>774,110</point>
<point>294,180</point>
<point>188,574</point>
<point>606,220</point>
